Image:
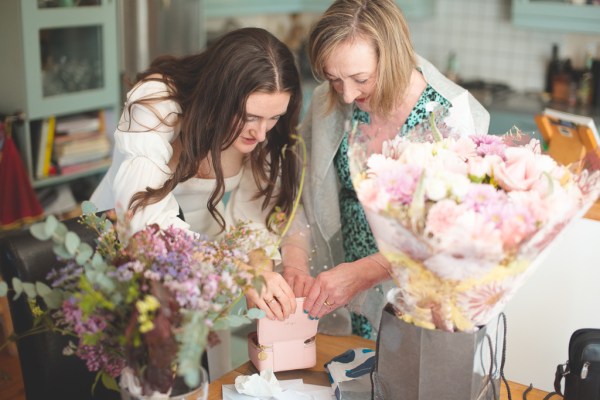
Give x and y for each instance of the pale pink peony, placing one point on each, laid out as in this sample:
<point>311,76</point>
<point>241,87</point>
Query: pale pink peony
<point>442,215</point>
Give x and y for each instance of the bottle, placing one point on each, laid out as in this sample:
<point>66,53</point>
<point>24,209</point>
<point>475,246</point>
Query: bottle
<point>596,88</point>
<point>586,82</point>
<point>553,68</point>
<point>562,90</point>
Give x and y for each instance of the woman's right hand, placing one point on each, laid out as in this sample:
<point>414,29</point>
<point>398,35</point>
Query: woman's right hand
<point>276,299</point>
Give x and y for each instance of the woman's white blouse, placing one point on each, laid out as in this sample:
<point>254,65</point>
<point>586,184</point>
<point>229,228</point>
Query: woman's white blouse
<point>140,158</point>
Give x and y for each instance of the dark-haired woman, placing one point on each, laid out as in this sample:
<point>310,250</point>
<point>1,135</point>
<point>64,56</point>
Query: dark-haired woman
<point>212,134</point>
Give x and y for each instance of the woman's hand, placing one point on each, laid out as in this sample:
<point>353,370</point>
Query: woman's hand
<point>298,279</point>
<point>336,287</point>
<point>276,299</point>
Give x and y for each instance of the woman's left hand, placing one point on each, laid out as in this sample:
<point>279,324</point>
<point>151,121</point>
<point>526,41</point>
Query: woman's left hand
<point>336,287</point>
<point>276,299</point>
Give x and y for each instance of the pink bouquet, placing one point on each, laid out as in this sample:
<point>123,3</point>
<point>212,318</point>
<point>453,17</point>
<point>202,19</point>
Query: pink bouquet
<point>464,219</point>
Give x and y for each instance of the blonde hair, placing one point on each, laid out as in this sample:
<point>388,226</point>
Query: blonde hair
<point>382,24</point>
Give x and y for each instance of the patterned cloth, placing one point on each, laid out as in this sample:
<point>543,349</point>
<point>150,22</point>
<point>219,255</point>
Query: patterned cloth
<point>349,373</point>
<point>358,240</point>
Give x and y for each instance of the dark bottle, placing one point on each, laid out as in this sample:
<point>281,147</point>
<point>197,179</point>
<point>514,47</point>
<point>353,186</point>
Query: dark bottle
<point>554,68</point>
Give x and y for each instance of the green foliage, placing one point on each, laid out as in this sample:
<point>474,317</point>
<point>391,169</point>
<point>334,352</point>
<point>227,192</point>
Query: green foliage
<point>193,341</point>
<point>105,283</point>
<point>255,313</point>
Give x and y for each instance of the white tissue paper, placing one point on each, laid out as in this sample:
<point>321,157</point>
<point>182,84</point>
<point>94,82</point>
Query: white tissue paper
<point>266,387</point>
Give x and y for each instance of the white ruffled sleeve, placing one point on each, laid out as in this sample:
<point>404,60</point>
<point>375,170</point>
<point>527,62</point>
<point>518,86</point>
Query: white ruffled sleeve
<point>143,142</point>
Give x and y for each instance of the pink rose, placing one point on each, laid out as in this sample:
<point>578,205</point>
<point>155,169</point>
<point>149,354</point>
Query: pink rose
<point>519,171</point>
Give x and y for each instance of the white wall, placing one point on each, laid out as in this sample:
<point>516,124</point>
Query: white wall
<point>488,46</point>
<point>561,296</point>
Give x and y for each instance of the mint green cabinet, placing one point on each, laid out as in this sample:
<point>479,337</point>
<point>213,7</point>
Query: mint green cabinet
<point>57,61</point>
<point>416,9</point>
<point>234,8</point>
<point>556,15</point>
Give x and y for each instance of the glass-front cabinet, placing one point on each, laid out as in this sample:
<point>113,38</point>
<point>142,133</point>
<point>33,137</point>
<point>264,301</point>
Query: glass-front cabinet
<point>70,55</point>
<point>59,61</point>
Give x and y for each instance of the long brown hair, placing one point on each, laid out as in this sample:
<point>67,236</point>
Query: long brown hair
<point>382,24</point>
<point>212,89</point>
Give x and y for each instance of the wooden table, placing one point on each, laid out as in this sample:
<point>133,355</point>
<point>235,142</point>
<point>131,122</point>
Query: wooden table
<point>327,348</point>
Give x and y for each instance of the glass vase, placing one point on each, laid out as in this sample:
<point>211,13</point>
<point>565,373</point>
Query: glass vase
<point>179,391</point>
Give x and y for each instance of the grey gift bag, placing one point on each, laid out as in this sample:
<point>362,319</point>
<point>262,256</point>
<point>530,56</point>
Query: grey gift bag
<point>422,364</point>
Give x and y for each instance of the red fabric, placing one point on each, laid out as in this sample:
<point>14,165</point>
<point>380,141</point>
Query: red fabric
<point>18,202</point>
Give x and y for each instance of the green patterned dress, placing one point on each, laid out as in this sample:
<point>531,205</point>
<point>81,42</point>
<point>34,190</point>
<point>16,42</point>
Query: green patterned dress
<point>358,240</point>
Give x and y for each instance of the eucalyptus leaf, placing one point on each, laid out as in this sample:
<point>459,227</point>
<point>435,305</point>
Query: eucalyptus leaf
<point>42,289</point>
<point>50,225</point>
<point>29,289</point>
<point>108,225</point>
<point>72,242</point>
<point>91,276</point>
<point>193,341</point>
<point>106,283</point>
<point>53,300</point>
<point>61,251</point>
<point>220,324</point>
<point>87,207</point>
<point>255,313</point>
<point>236,320</point>
<point>59,233</point>
<point>38,231</point>
<point>84,252</point>
<point>17,287</point>
<point>3,289</point>
<point>61,230</point>
<point>97,260</point>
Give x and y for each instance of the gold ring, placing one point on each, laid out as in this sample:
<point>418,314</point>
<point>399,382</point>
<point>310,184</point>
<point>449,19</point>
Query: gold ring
<point>270,301</point>
<point>328,304</point>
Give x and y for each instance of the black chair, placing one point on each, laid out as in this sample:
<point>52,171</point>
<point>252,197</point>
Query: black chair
<point>47,373</point>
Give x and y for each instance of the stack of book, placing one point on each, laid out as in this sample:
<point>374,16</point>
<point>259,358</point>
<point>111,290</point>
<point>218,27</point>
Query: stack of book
<point>80,143</point>
<point>44,141</point>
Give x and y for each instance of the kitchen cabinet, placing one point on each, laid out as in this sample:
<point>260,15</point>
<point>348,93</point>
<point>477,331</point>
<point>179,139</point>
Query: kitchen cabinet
<point>238,8</point>
<point>416,9</point>
<point>59,58</point>
<point>235,8</point>
<point>556,15</point>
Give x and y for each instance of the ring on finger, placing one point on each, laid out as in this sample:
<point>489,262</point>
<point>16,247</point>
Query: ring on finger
<point>270,301</point>
<point>328,304</point>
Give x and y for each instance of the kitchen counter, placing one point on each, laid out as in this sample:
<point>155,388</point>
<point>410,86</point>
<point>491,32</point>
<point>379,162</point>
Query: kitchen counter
<point>532,103</point>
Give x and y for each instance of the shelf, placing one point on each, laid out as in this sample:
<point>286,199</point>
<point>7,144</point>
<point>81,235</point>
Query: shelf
<point>58,179</point>
<point>556,16</point>
<point>66,17</point>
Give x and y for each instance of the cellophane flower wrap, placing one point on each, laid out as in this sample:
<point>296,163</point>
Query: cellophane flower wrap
<point>141,307</point>
<point>464,218</point>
